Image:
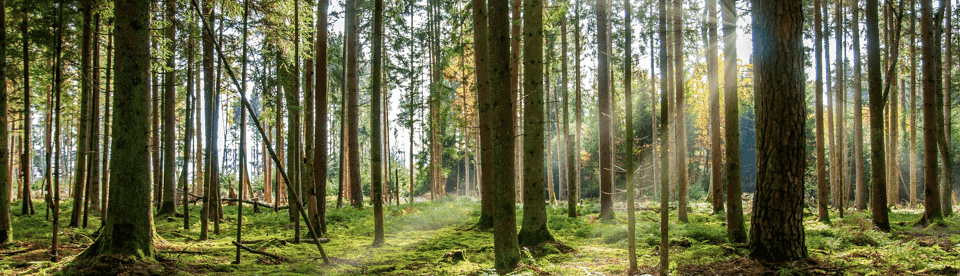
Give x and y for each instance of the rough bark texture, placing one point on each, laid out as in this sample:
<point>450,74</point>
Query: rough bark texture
<point>320,140</point>
<point>861,195</point>
<point>129,228</point>
<point>505,245</point>
<point>208,85</point>
<point>878,179</point>
<point>353,95</point>
<point>169,116</point>
<point>376,154</point>
<point>716,184</point>
<point>931,194</point>
<point>736,232</point>
<point>946,183</point>
<point>822,211</point>
<point>664,139</point>
<point>680,112</point>
<point>603,100</point>
<point>86,83</point>
<point>480,37</point>
<point>534,226</point>
<point>628,136</point>
<point>776,233</point>
<point>6,230</point>
<point>912,185</point>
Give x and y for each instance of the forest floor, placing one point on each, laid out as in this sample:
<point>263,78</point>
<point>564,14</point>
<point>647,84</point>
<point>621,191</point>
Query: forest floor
<point>434,238</point>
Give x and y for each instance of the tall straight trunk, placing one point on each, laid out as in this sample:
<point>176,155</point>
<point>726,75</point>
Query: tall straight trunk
<point>533,229</point>
<point>93,164</point>
<point>929,22</point>
<point>603,102</point>
<point>736,232</point>
<point>515,37</point>
<point>321,138</point>
<point>344,176</point>
<point>912,186</point>
<point>776,232</point>
<point>480,40</point>
<point>208,94</point>
<point>716,183</point>
<point>861,194</point>
<point>570,152</point>
<point>664,137</point>
<point>506,249</point>
<point>628,137</point>
<point>822,192</point>
<point>579,111</point>
<point>4,156</point>
<point>839,103</point>
<point>48,155</point>
<point>353,95</point>
<point>27,156</point>
<point>309,185</point>
<point>878,188</point>
<point>278,187</point>
<point>86,81</point>
<point>946,182</point>
<point>413,108</point>
<point>154,144</point>
<point>129,230</point>
<point>188,130</point>
<point>105,174</point>
<point>6,229</point>
<point>167,206</point>
<point>376,153</point>
<point>830,102</point>
<point>294,135</point>
<point>681,137</point>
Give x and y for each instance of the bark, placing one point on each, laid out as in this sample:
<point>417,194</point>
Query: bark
<point>353,117</point>
<point>736,232</point>
<point>188,130</point>
<point>714,86</point>
<point>129,229</point>
<point>603,100</point>
<point>6,230</point>
<point>822,192</point>
<point>506,248</point>
<point>26,156</point>
<point>570,148</point>
<point>320,142</point>
<point>533,229</point>
<point>208,94</point>
<point>93,164</point>
<point>376,153</point>
<point>878,188</point>
<point>912,186</point>
<point>105,174</point>
<point>776,232</point>
<point>577,79</point>
<point>86,81</point>
<point>292,93</point>
<point>861,195</point>
<point>628,137</point>
<point>480,38</point>
<point>946,183</point>
<point>308,167</point>
<point>4,155</point>
<point>664,137</point>
<point>169,115</point>
<point>840,98</point>
<point>929,26</point>
<point>680,112</point>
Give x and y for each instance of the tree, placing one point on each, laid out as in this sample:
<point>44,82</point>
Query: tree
<point>571,153</point>
<point>680,113</point>
<point>823,212</point>
<point>861,196</point>
<point>291,77</point>
<point>603,100</point>
<point>946,116</point>
<point>480,38</point>
<point>839,107</point>
<point>776,233</point>
<point>716,185</point>
<point>878,189</point>
<point>4,157</point>
<point>376,154</point>
<point>628,150</point>
<point>26,155</point>
<point>86,83</point>
<point>736,231</point>
<point>167,206</point>
<point>579,115</point>
<point>506,249</point>
<point>929,54</point>
<point>129,230</point>
<point>209,122</point>
<point>913,104</point>
<point>664,138</point>
<point>188,125</point>
<point>534,226</point>
<point>353,95</point>
<point>320,142</point>
<point>6,230</point>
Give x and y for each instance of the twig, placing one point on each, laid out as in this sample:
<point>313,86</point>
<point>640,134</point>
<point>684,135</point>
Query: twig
<point>258,252</point>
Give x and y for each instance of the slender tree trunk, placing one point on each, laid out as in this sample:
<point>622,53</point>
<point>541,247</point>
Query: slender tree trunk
<point>376,153</point>
<point>681,137</point>
<point>946,183</point>
<point>664,137</point>
<point>308,167</point>
<point>129,229</point>
<point>861,197</point>
<point>4,156</point>
<point>515,37</point>
<point>603,100</point>
<point>839,104</point>
<point>27,156</point>
<point>571,149</point>
<point>822,192</point>
<point>356,194</point>
<point>6,230</point>
<point>294,157</point>
<point>913,105</point>
<point>480,38</point>
<point>579,111</point>
<point>716,184</point>
<point>628,137</point>
<point>320,142</point>
<point>209,103</point>
<point>736,231</point>
<point>93,164</point>
<point>878,188</point>
<point>86,81</point>
<point>167,206</point>
<point>776,232</point>
<point>105,174</point>
<point>188,130</point>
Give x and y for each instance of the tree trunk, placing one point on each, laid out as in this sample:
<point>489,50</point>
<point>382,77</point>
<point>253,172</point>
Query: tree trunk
<point>603,100</point>
<point>716,184</point>
<point>929,26</point>
<point>946,183</point>
<point>628,138</point>
<point>353,117</point>
<point>681,121</point>
<point>579,111</point>
<point>376,153</point>
<point>93,164</point>
<point>209,121</point>
<point>188,130</point>
<point>736,232</point>
<point>776,233</point>
<point>861,197</point>
<point>664,137</point>
<point>878,196</point>
<point>912,186</point>
<point>320,142</point>
<point>129,229</point>
<point>840,98</point>
<point>822,192</point>
<point>27,156</point>
<point>6,230</point>
<point>480,38</point>
<point>533,230</point>
<point>4,156</point>
<point>86,81</point>
<point>570,149</point>
<point>105,174</point>
<point>167,206</point>
<point>506,248</point>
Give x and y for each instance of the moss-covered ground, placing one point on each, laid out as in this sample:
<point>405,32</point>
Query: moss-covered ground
<point>434,238</point>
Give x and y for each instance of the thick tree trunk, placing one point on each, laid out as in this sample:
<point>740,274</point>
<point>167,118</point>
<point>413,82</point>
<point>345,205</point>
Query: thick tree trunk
<point>480,38</point>
<point>376,153</point>
<point>320,142</point>
<point>353,115</point>
<point>878,188</point>
<point>776,233</point>
<point>533,229</point>
<point>736,232</point>
<point>929,26</point>
<point>946,183</point>
<point>506,248</point>
<point>129,229</point>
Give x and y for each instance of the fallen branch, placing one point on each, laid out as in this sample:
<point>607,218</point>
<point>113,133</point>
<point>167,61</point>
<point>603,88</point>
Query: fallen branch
<point>261,204</point>
<point>258,252</point>
<point>11,253</point>
<point>322,240</point>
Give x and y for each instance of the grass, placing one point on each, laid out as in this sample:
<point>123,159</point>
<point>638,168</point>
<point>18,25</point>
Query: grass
<point>433,238</point>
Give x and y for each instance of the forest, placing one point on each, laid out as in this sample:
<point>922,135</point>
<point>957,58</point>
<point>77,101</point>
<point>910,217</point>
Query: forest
<point>476,137</point>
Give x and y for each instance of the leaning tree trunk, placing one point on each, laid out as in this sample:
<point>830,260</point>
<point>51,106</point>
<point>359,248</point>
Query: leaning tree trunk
<point>776,233</point>
<point>129,229</point>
